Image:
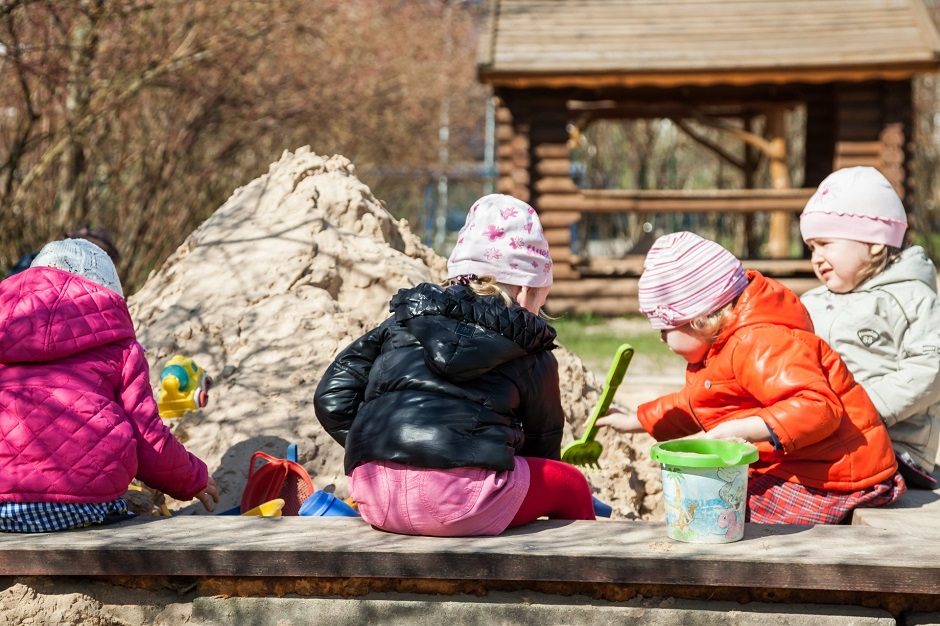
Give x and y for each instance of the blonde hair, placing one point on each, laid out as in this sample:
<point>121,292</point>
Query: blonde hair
<point>489,286</point>
<point>710,325</point>
<point>485,286</point>
<point>877,263</point>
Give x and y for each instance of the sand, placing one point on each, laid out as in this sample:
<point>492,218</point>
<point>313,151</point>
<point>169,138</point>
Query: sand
<point>293,267</point>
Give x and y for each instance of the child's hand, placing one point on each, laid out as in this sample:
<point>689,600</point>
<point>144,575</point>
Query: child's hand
<point>619,420</point>
<point>209,496</point>
<point>747,428</point>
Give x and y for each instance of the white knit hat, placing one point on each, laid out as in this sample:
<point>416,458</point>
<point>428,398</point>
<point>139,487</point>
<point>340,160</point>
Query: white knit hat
<point>685,277</point>
<point>80,256</point>
<point>855,203</point>
<point>503,238</point>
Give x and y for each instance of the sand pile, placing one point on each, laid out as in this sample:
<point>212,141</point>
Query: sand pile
<point>264,293</point>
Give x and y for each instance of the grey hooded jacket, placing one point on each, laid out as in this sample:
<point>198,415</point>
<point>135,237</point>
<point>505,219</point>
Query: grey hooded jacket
<point>888,333</point>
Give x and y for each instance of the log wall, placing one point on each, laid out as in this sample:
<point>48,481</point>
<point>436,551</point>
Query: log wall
<point>847,124</point>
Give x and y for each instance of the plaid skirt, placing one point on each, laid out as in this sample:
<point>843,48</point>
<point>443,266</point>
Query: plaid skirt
<point>772,500</point>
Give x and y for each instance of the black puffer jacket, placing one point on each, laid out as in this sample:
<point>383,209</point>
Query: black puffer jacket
<point>450,380</point>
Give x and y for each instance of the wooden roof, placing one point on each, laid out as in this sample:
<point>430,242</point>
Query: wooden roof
<point>591,43</point>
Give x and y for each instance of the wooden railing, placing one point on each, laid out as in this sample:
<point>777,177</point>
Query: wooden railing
<point>682,201</point>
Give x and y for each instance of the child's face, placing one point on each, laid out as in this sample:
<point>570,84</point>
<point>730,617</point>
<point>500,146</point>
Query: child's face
<point>687,342</point>
<point>838,263</point>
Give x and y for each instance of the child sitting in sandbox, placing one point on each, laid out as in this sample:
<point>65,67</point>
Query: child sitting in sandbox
<point>78,420</point>
<point>450,411</point>
<point>757,372</point>
<point>878,308</point>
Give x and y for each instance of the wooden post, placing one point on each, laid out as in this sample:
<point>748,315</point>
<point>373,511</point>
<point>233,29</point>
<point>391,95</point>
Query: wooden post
<point>778,245</point>
<point>749,246</point>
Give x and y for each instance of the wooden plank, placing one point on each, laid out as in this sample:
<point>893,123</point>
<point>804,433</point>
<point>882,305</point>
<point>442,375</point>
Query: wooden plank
<point>556,185</point>
<point>595,288</point>
<point>505,168</point>
<point>858,148</point>
<point>633,265</point>
<point>607,307</point>
<point>708,201</point>
<point>519,142</point>
<point>556,167</point>
<point>856,161</point>
<point>562,255</point>
<point>660,57</point>
<point>617,295</point>
<point>916,513</point>
<point>730,195</point>
<point>507,185</point>
<point>799,285</point>
<point>519,79</point>
<point>558,236</point>
<point>564,271</point>
<point>551,151</point>
<point>607,51</point>
<point>839,558</point>
<point>558,218</point>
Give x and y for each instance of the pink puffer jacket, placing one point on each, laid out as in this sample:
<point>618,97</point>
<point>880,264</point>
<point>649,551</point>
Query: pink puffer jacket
<point>78,419</point>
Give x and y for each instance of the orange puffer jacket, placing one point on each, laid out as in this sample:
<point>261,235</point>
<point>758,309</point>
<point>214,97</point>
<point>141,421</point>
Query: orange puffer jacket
<point>767,362</point>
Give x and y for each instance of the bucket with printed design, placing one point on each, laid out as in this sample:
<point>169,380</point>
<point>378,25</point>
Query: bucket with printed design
<point>704,488</point>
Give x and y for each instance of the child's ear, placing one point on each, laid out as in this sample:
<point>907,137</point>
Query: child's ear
<point>875,248</point>
<point>531,298</point>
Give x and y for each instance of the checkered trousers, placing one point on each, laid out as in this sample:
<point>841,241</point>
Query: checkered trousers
<point>772,500</point>
<point>42,517</point>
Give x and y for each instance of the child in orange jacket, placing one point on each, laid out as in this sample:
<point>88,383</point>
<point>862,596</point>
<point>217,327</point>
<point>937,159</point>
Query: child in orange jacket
<point>758,372</point>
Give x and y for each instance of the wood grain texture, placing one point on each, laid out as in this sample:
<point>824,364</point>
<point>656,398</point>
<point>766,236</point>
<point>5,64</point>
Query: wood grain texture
<point>575,37</point>
<point>656,201</point>
<point>823,557</point>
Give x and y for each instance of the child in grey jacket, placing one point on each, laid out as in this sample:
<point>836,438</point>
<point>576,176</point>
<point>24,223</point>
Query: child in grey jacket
<point>878,308</point>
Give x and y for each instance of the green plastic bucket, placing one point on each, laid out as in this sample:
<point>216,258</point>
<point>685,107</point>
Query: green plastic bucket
<point>704,488</point>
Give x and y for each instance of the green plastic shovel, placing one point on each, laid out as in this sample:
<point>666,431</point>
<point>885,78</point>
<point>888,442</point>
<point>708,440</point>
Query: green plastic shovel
<point>585,451</point>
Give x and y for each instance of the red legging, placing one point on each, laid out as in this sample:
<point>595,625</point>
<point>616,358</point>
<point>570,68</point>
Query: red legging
<point>556,489</point>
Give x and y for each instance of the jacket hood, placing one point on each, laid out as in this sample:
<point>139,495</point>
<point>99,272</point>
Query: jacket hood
<point>47,314</point>
<point>913,264</point>
<point>465,335</point>
<point>765,301</point>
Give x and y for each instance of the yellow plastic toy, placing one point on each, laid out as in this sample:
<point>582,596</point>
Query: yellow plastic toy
<point>271,508</point>
<point>184,386</point>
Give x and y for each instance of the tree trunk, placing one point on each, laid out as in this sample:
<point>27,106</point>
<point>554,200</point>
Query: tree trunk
<point>72,190</point>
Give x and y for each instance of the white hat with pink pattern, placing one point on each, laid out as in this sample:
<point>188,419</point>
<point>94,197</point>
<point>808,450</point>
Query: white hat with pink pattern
<point>502,238</point>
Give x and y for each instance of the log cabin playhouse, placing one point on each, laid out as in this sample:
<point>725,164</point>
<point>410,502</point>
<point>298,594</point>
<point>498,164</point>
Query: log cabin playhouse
<point>557,66</point>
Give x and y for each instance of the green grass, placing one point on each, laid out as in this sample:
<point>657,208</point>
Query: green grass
<point>595,339</point>
<point>931,243</point>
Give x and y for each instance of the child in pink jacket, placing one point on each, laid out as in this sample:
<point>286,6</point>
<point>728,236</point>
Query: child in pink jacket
<point>78,420</point>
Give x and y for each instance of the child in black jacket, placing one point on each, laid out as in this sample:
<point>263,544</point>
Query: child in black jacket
<point>450,411</point>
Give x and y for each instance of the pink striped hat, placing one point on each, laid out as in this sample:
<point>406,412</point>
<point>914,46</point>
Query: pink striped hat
<point>685,277</point>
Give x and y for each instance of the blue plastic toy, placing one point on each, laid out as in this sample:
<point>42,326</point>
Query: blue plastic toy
<point>323,503</point>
